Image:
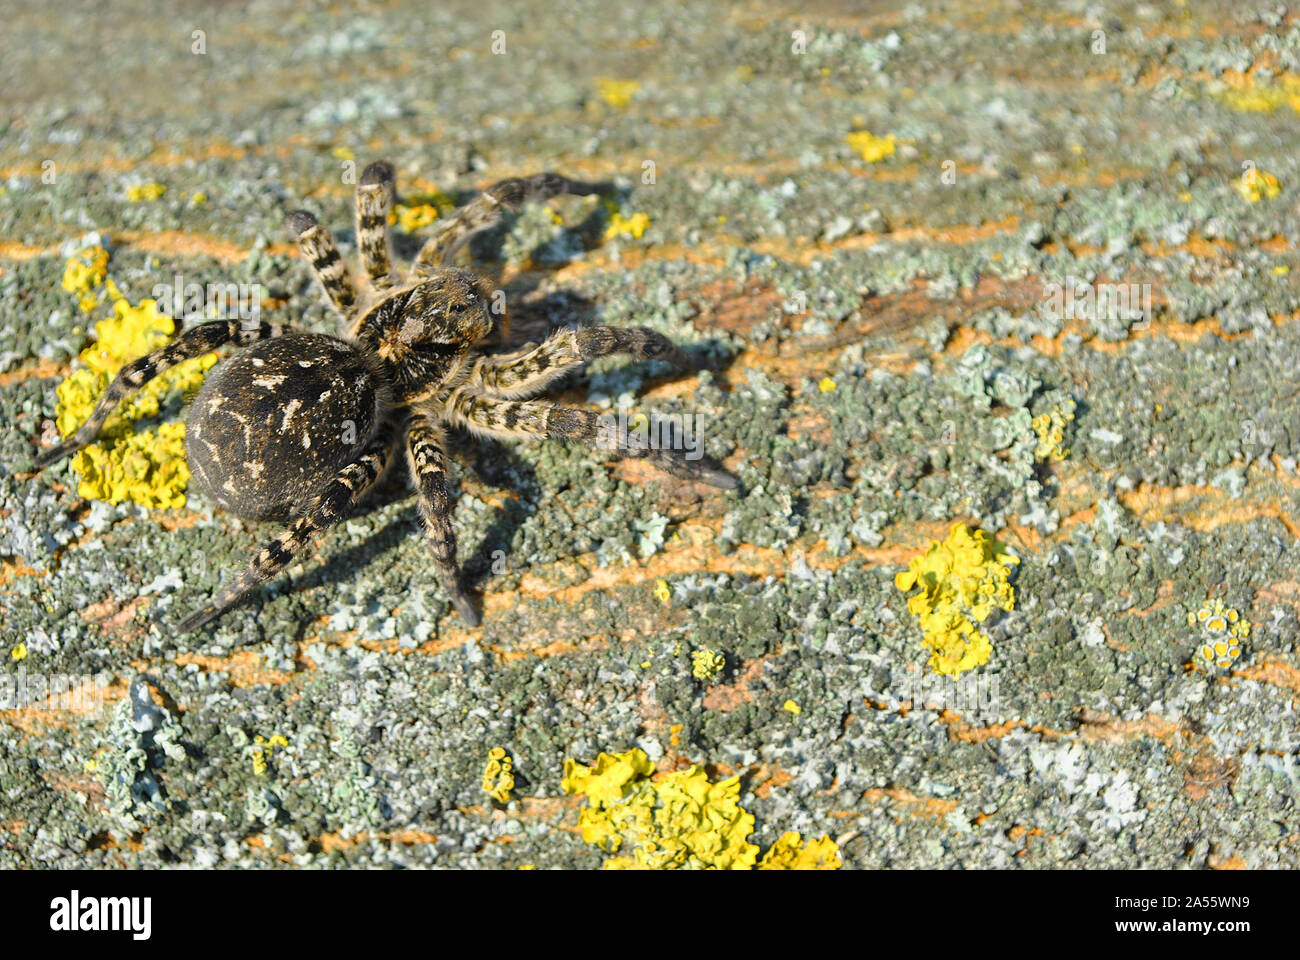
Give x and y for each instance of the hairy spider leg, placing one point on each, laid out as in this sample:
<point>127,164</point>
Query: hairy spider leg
<point>428,464</point>
<point>485,211</point>
<point>326,509</point>
<point>374,196</point>
<point>186,345</point>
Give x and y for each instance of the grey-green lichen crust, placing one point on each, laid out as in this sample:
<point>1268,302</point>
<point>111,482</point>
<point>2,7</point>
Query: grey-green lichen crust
<point>780,260</point>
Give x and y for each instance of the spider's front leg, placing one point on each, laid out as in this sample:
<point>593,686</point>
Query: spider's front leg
<point>428,464</point>
<point>537,419</point>
<point>485,210</point>
<point>328,507</point>
<point>188,344</point>
<point>374,196</point>
<point>317,245</point>
<point>530,371</point>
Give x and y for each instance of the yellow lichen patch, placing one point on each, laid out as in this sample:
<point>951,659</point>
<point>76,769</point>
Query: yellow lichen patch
<point>420,209</point>
<point>498,775</point>
<point>792,707</point>
<point>1223,631</point>
<point>706,664</point>
<point>412,218</point>
<point>19,652</point>
<point>1050,428</point>
<point>622,226</point>
<point>84,273</point>
<point>1254,185</point>
<point>1252,97</point>
<point>142,192</point>
<point>616,93</point>
<point>146,467</point>
<point>962,580</point>
<point>870,147</point>
<point>679,821</point>
<point>826,385</point>
<point>264,749</point>
<point>787,854</point>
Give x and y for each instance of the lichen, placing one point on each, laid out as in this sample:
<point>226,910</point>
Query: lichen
<point>262,750</point>
<point>1050,428</point>
<point>649,534</point>
<point>498,775</point>
<point>616,93</point>
<point>144,192</point>
<point>147,467</point>
<point>420,209</point>
<point>620,225</point>
<point>1222,632</point>
<point>962,580</point>
<point>678,821</point>
<point>870,147</point>
<point>137,741</point>
<point>706,664</point>
<point>1255,185</point>
<point>84,274</point>
<point>1252,97</point>
<point>788,854</point>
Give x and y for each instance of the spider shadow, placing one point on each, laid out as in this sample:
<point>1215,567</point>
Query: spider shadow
<point>486,245</point>
<point>493,464</point>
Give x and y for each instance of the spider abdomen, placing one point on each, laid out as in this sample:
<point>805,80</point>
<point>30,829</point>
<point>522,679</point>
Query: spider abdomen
<point>274,423</point>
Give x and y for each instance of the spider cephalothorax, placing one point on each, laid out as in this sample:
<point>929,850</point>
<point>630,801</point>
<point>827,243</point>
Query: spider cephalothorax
<point>299,426</point>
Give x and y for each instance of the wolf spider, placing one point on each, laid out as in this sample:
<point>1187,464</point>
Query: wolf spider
<point>299,426</point>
